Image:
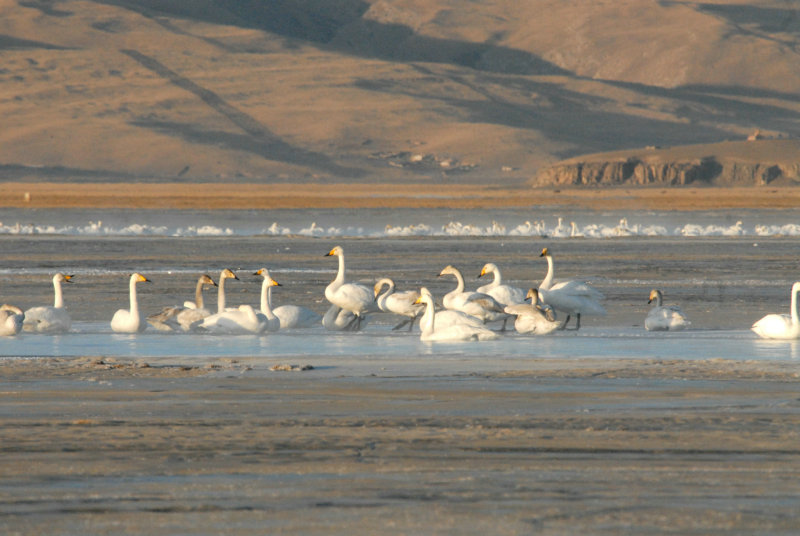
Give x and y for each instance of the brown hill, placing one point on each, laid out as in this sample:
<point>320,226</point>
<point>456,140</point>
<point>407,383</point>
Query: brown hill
<point>384,90</point>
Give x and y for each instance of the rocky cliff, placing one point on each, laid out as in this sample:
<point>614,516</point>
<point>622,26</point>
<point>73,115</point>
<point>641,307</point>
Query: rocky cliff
<point>723,164</point>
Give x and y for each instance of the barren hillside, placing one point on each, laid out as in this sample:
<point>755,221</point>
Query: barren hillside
<point>386,90</point>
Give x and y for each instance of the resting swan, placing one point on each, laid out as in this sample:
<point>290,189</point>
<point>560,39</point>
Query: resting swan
<point>664,317</point>
<point>400,303</point>
<point>571,297</point>
<point>11,319</point>
<point>352,297</point>
<point>780,326</point>
<point>185,318</point>
<point>477,304</point>
<point>465,331</point>
<point>505,294</point>
<point>534,318</point>
<point>130,320</point>
<point>47,318</point>
<point>241,320</point>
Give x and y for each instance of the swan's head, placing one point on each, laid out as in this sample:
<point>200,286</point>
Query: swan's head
<point>533,296</point>
<point>263,272</point>
<point>380,284</point>
<point>655,296</point>
<point>425,296</point>
<point>488,268</point>
<point>545,253</point>
<point>228,274</point>
<point>206,280</point>
<point>61,278</point>
<point>335,251</point>
<point>449,270</point>
<point>139,278</point>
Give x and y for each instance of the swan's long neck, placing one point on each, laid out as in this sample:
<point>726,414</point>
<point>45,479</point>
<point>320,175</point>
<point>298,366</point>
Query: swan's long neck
<point>340,275</point>
<point>134,300</point>
<point>459,281</point>
<point>221,295</point>
<point>266,299</point>
<point>426,322</point>
<point>198,295</point>
<point>548,280</point>
<point>795,312</point>
<point>59,299</point>
<point>659,299</point>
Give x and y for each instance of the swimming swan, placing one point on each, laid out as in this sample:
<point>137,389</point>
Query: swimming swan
<point>130,320</point>
<point>11,319</point>
<point>187,317</point>
<point>352,297</point>
<point>780,326</point>
<point>50,318</point>
<point>664,317</point>
<point>454,332</point>
<point>505,294</point>
<point>535,318</point>
<point>273,322</point>
<point>400,303</point>
<point>571,297</point>
<point>477,304</point>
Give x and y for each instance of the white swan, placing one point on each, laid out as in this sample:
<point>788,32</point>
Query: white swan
<point>47,318</point>
<point>571,297</point>
<point>535,318</point>
<point>400,303</point>
<point>477,304</point>
<point>225,274</point>
<point>352,297</point>
<point>780,326</point>
<point>664,317</point>
<point>505,294</point>
<point>432,332</point>
<point>273,322</point>
<point>11,319</point>
<point>241,320</point>
<point>130,320</point>
<point>187,317</point>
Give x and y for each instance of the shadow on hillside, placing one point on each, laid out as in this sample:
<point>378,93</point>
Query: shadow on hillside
<point>339,24</point>
<point>14,43</point>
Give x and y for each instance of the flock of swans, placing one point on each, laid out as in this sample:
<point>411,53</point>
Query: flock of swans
<point>465,314</point>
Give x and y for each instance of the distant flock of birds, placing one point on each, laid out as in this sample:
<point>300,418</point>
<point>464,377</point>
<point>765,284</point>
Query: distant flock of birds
<point>464,316</point>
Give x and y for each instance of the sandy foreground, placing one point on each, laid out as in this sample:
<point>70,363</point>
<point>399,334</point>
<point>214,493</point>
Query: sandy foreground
<point>361,195</point>
<point>94,446</point>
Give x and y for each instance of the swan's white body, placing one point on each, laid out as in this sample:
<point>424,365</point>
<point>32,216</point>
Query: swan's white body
<point>664,317</point>
<point>571,297</point>
<point>534,318</point>
<point>47,318</point>
<point>456,331</point>
<point>505,294</point>
<point>400,303</point>
<point>357,299</point>
<point>130,320</point>
<point>780,326</point>
<point>11,319</point>
<point>297,316</point>
<point>477,304</point>
<point>185,318</point>
<point>273,322</point>
<point>241,320</point>
<point>337,319</point>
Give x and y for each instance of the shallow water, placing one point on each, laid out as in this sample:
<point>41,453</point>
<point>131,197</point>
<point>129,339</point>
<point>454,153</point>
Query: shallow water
<point>724,284</point>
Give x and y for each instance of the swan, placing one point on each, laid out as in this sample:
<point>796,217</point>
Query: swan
<point>465,331</point>
<point>337,319</point>
<point>187,317</point>
<point>225,274</point>
<point>534,318</point>
<point>50,318</point>
<point>296,316</point>
<point>400,303</point>
<point>780,326</point>
<point>241,320</point>
<point>352,297</point>
<point>664,317</point>
<point>477,304</point>
<point>130,320</point>
<point>571,297</point>
<point>505,294</point>
<point>11,319</point>
<point>273,322</point>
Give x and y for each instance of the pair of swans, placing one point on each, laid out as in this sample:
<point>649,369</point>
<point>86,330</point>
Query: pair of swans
<point>351,298</point>
<point>50,318</point>
<point>570,297</point>
<point>245,319</point>
<point>478,304</point>
<point>191,314</point>
<point>537,318</point>
<point>664,317</point>
<point>781,326</point>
